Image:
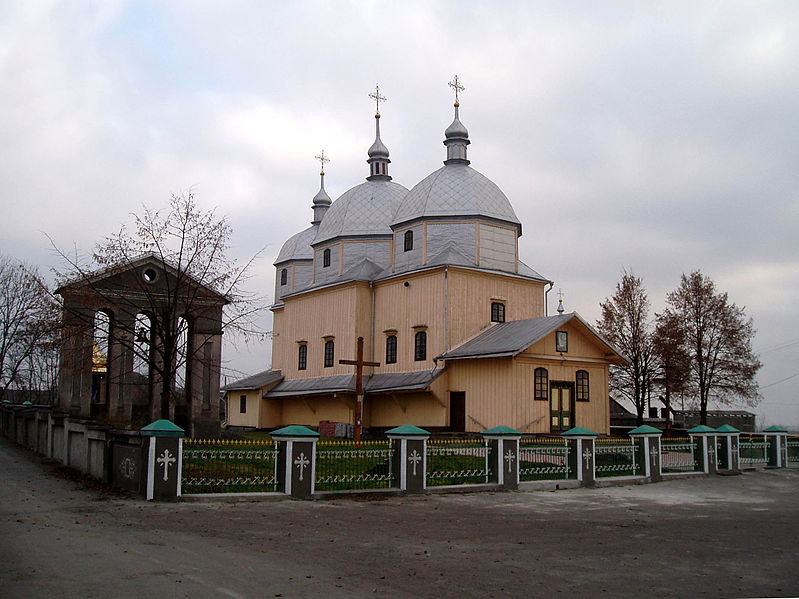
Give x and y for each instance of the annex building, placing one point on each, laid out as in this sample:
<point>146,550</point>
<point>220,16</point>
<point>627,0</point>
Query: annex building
<point>431,279</point>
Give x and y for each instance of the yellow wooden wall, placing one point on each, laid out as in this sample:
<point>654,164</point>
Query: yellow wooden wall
<point>251,417</point>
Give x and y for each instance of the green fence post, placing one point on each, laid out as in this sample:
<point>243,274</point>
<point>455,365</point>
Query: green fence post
<point>410,457</point>
<point>707,447</point>
<point>650,451</point>
<point>777,446</point>
<point>729,457</point>
<point>296,460</point>
<point>164,459</point>
<point>504,456</point>
<point>582,454</point>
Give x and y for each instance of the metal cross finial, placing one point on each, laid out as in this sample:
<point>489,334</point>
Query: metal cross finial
<point>322,158</point>
<point>560,294</point>
<point>455,84</point>
<point>375,95</point>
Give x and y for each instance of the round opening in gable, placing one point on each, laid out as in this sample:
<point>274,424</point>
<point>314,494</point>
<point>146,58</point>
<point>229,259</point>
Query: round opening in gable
<point>150,275</point>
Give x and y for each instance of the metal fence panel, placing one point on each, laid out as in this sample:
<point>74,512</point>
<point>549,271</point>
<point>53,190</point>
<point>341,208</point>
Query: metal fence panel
<point>343,465</point>
<point>753,450</point>
<point>616,457</point>
<point>679,455</point>
<point>457,462</point>
<point>214,466</point>
<point>543,459</point>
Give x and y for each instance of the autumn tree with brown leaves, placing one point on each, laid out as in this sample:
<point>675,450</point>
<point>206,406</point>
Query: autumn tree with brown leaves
<point>626,322</point>
<point>716,335</point>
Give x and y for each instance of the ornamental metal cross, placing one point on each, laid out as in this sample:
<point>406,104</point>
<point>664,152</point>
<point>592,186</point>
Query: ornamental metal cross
<point>166,460</point>
<point>301,462</point>
<point>322,158</point>
<point>587,455</point>
<point>414,458</point>
<point>375,95</point>
<point>653,451</point>
<point>455,84</point>
<point>509,457</point>
<point>359,363</point>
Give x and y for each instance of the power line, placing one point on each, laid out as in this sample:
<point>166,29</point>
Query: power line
<point>787,378</point>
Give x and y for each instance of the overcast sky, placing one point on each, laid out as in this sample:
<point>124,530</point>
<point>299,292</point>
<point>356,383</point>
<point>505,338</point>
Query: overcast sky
<point>659,137</point>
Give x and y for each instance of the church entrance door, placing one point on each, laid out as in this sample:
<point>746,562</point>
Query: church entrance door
<point>561,406</point>
<point>457,411</point>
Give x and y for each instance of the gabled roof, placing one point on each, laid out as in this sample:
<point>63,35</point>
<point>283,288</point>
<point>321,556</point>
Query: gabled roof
<point>508,339</point>
<point>256,381</point>
<point>92,278</point>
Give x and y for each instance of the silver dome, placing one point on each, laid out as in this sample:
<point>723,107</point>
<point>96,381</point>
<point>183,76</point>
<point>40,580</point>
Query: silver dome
<point>298,247</point>
<point>366,209</point>
<point>455,190</point>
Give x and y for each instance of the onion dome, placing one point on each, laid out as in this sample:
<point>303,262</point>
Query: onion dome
<point>321,201</point>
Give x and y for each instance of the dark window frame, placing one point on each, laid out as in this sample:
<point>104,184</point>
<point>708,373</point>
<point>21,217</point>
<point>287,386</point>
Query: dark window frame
<point>420,346</point>
<point>391,349</point>
<point>562,342</point>
<point>326,258</point>
<point>330,353</point>
<point>242,404</point>
<point>497,312</point>
<point>582,386</point>
<point>284,276</point>
<point>408,241</point>
<point>541,384</point>
<point>302,357</point>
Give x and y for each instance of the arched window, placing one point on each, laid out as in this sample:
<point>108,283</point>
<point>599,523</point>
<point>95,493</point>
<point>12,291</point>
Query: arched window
<point>141,345</point>
<point>302,357</point>
<point>408,241</point>
<point>100,357</point>
<point>541,384</point>
<point>326,258</point>
<point>391,349</point>
<point>284,276</point>
<point>497,312</point>
<point>582,385</point>
<point>330,349</point>
<point>420,346</point>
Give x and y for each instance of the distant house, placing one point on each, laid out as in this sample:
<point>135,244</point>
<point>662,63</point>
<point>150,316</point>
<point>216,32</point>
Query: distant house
<point>623,420</point>
<point>741,419</point>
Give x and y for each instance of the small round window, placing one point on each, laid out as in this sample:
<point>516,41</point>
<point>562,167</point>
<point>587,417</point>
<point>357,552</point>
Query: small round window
<point>150,275</point>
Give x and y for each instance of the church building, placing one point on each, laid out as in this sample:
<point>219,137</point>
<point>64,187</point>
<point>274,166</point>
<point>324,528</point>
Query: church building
<point>453,324</point>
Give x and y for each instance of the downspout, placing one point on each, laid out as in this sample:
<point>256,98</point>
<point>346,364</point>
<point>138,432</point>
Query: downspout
<point>446,308</point>
<point>546,301</point>
<point>372,332</point>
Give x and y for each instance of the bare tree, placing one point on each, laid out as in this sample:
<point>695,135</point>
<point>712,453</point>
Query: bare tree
<point>193,245</point>
<point>627,324</point>
<point>718,340</point>
<point>672,362</point>
<point>27,322</point>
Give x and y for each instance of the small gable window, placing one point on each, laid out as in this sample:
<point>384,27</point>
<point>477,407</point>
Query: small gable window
<point>497,312</point>
<point>582,385</point>
<point>408,241</point>
<point>420,346</point>
<point>302,357</point>
<point>541,384</point>
<point>561,341</point>
<point>326,258</point>
<point>391,349</point>
<point>329,353</point>
<point>284,276</point>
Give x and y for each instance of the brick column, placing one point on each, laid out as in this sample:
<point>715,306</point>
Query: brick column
<point>296,460</point>
<point>777,446</point>
<point>647,439</point>
<point>410,457</point>
<point>582,454</point>
<point>503,443</point>
<point>164,459</point>
<point>707,447</point>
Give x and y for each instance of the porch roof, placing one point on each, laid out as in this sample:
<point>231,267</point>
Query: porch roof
<point>345,383</point>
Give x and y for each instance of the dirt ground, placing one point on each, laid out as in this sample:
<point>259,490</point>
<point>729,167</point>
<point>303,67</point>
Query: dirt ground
<point>733,536</point>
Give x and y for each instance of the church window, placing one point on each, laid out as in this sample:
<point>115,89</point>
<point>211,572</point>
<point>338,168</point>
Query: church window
<point>408,241</point>
<point>420,346</point>
<point>329,353</point>
<point>497,312</point>
<point>243,404</point>
<point>541,384</point>
<point>561,341</point>
<point>284,276</point>
<point>326,258</point>
<point>302,357</point>
<point>582,385</point>
<point>391,349</point>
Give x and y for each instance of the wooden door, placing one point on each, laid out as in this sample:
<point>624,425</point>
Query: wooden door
<point>457,411</point>
<point>561,407</point>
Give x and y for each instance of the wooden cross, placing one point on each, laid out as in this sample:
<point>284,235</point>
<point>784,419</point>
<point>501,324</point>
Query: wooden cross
<point>375,95</point>
<point>455,84</point>
<point>359,363</point>
<point>322,158</point>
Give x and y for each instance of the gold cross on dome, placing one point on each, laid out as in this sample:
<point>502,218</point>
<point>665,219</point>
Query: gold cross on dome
<point>455,84</point>
<point>375,95</point>
<point>560,294</point>
<point>322,159</point>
